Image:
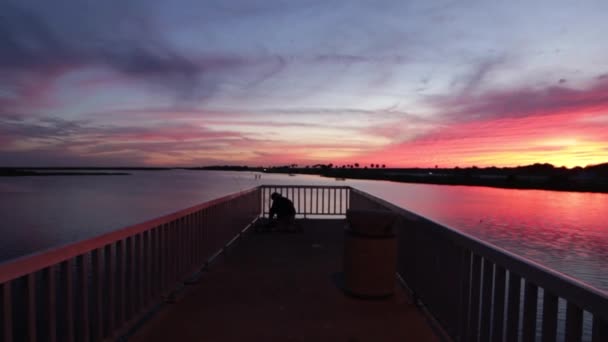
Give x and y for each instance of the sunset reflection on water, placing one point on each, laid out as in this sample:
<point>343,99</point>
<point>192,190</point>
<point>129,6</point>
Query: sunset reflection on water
<point>566,231</point>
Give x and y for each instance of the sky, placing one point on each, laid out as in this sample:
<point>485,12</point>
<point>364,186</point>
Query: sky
<point>401,83</point>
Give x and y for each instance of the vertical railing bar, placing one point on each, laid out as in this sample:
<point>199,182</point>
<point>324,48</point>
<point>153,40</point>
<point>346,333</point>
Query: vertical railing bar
<point>574,322</point>
<point>300,191</point>
<point>486,303</point>
<point>513,307</point>
<point>267,198</point>
<point>83,284</point>
<point>139,273</point>
<point>307,196</point>
<point>7,311</point>
<point>348,198</point>
<point>323,201</point>
<point>599,330</point>
<point>308,200</point>
<point>262,195</point>
<point>157,261</point>
<point>530,309</point>
<point>120,283</point>
<point>341,192</point>
<point>163,251</point>
<point>189,241</point>
<point>153,255</point>
<point>67,275</point>
<point>465,292</point>
<point>473,330</point>
<point>51,303</point>
<point>325,206</point>
<point>194,243</point>
<point>498,303</point>
<point>199,237</point>
<point>549,325</point>
<point>179,251</point>
<point>97,294</point>
<point>164,271</point>
<point>179,248</point>
<point>110,296</point>
<point>131,277</point>
<point>203,236</point>
<point>31,307</point>
<point>147,269</point>
<point>335,201</point>
<point>144,273</point>
<point>319,201</point>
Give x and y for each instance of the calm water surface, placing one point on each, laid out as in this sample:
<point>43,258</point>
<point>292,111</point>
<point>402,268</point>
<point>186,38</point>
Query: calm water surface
<point>563,230</point>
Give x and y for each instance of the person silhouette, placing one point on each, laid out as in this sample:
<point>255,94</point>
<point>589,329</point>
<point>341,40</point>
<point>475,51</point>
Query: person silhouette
<point>285,213</point>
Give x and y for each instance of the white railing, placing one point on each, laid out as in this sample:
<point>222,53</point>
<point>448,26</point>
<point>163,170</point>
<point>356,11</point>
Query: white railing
<point>96,289</point>
<point>480,292</point>
<point>309,200</point>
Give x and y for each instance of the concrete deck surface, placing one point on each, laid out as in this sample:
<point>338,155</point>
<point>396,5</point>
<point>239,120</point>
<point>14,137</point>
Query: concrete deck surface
<point>282,287</point>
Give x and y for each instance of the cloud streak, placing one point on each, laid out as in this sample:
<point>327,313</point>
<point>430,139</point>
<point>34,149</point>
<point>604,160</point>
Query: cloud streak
<point>522,102</point>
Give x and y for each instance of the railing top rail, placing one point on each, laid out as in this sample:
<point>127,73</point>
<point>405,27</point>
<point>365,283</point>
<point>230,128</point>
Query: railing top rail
<point>21,266</point>
<point>305,186</point>
<point>586,296</point>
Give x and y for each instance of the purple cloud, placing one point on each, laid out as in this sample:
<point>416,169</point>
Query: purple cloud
<point>522,102</point>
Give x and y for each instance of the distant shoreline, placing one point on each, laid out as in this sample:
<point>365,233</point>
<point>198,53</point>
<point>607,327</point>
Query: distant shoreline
<point>537,176</point>
<point>494,183</point>
<point>31,173</point>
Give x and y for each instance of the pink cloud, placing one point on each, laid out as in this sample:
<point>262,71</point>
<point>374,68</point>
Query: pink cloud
<point>523,102</point>
<point>559,138</point>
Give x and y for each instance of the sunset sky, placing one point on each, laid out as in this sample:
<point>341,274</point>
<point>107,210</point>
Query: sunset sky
<point>401,83</point>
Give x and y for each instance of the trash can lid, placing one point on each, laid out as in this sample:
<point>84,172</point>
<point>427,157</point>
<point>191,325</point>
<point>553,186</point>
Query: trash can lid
<point>371,222</point>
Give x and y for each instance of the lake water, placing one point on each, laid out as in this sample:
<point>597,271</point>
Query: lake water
<point>566,231</point>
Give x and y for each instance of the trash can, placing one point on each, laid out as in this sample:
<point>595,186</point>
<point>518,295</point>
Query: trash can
<point>370,254</point>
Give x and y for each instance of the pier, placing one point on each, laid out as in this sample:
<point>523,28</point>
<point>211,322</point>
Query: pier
<point>202,273</point>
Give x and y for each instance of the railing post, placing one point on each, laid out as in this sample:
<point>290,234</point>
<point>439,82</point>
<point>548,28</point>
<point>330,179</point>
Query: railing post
<point>498,303</point>
<point>465,292</point>
<point>486,303</point>
<point>51,303</point>
<point>6,306</point>
<point>139,273</point>
<point>110,298</point>
<point>513,307</point>
<point>473,329</point>
<point>84,331</point>
<point>67,288</point>
<point>31,307</point>
<point>97,278</point>
<point>600,329</point>
<point>530,309</point>
<point>550,305</point>
<point>574,322</point>
<point>120,283</point>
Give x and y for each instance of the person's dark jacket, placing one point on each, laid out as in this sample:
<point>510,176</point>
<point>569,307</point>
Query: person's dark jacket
<point>282,207</point>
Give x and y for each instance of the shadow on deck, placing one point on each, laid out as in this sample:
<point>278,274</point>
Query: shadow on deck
<point>282,287</point>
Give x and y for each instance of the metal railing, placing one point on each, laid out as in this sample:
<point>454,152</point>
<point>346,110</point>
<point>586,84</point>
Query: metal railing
<point>96,289</point>
<point>480,292</point>
<point>309,200</point>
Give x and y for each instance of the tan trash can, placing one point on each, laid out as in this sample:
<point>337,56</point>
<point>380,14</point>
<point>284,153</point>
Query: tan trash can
<point>370,253</point>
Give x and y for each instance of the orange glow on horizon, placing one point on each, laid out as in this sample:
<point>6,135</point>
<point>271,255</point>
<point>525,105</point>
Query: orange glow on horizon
<point>562,140</point>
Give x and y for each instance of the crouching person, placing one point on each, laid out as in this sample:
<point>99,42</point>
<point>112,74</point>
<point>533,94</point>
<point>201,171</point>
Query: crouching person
<point>285,214</point>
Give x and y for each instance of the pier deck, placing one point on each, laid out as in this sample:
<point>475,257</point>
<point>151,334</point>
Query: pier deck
<point>284,287</point>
